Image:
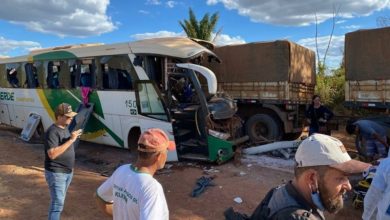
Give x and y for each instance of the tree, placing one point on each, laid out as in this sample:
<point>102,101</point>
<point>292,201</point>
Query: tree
<point>330,84</point>
<point>322,63</point>
<point>200,29</point>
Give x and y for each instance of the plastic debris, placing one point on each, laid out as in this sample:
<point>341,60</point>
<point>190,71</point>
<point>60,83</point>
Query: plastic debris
<point>242,173</point>
<point>238,200</point>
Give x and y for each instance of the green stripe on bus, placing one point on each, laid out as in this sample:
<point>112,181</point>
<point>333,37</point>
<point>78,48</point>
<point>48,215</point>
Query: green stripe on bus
<point>55,55</point>
<point>114,136</point>
<point>72,96</point>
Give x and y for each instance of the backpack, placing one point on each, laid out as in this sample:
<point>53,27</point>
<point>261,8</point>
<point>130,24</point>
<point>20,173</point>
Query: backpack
<point>262,211</point>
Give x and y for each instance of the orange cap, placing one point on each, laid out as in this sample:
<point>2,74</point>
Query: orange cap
<point>155,140</point>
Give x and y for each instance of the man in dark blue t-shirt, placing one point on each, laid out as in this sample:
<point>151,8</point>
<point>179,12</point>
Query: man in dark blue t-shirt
<point>59,158</point>
<point>373,134</point>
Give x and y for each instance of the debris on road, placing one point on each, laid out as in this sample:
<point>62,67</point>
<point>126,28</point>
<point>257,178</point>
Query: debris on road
<point>209,171</point>
<point>238,200</point>
<point>274,163</point>
<point>201,184</point>
<point>271,147</point>
<point>164,171</point>
<point>241,173</point>
<point>168,166</point>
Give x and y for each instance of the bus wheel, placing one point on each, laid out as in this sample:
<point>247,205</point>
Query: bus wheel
<point>132,140</point>
<point>262,126</point>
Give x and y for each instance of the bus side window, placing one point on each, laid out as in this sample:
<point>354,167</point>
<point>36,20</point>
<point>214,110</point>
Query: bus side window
<point>31,76</point>
<point>117,72</point>
<point>86,76</point>
<point>113,82</point>
<point>104,68</point>
<point>125,81</point>
<point>72,70</point>
<point>154,69</point>
<point>35,75</point>
<point>12,77</point>
<point>52,76</point>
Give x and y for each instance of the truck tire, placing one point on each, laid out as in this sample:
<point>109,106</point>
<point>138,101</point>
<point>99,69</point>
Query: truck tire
<point>262,125</point>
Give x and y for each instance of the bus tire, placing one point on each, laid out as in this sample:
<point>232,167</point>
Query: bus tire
<point>132,139</point>
<point>262,125</point>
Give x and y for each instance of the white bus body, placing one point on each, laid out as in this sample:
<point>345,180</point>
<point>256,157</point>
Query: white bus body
<point>133,88</point>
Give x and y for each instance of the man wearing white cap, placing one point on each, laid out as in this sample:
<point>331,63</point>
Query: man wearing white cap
<point>321,179</point>
<point>132,192</point>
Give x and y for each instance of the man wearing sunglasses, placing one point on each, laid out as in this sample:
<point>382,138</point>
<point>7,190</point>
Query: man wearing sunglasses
<point>59,158</point>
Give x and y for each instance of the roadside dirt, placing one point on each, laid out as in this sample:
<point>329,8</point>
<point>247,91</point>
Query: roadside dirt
<point>24,193</point>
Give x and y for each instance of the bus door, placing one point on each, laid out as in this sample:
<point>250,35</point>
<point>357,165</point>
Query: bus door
<point>151,106</point>
<point>188,109</point>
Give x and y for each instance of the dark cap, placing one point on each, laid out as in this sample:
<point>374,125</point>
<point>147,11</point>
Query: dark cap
<point>64,109</point>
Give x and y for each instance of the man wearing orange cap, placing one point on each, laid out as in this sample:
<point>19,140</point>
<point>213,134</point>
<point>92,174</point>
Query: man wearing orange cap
<point>59,158</point>
<point>131,192</point>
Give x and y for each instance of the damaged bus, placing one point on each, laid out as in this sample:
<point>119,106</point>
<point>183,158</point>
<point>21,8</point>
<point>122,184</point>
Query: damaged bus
<point>129,88</point>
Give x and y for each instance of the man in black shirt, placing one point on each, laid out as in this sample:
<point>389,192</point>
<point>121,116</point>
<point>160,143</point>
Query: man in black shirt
<point>317,115</point>
<point>59,158</point>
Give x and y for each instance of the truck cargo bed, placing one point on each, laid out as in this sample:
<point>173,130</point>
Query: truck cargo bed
<point>277,92</point>
<point>367,55</point>
<point>368,93</point>
<point>276,72</point>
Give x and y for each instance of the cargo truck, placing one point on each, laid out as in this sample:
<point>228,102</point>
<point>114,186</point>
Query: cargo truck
<point>367,76</point>
<point>367,69</point>
<point>271,82</point>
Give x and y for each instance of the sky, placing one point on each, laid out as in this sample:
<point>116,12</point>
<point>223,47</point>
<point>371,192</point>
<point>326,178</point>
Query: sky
<point>26,25</point>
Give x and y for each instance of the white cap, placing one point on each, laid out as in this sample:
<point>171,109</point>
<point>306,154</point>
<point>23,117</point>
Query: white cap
<point>320,149</point>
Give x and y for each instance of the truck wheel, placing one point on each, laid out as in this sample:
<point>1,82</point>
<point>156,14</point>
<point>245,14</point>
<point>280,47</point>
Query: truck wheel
<point>262,125</point>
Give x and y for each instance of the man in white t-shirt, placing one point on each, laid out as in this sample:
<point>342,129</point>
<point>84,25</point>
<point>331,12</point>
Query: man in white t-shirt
<point>377,199</point>
<point>131,192</point>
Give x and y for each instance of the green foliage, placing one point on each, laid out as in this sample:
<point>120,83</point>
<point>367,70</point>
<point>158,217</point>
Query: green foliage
<point>330,87</point>
<point>200,29</point>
